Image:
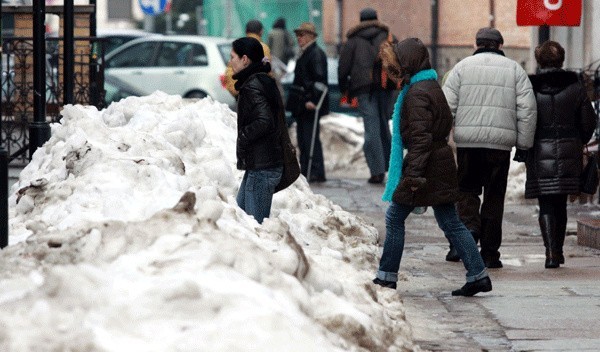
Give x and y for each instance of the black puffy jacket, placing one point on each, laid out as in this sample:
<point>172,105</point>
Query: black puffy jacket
<point>565,122</point>
<point>258,142</point>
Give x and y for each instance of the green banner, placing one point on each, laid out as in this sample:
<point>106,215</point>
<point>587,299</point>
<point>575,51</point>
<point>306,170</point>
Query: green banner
<point>228,18</point>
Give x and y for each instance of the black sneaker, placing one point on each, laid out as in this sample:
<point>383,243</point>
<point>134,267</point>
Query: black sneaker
<point>452,255</point>
<point>473,288</point>
<point>383,283</point>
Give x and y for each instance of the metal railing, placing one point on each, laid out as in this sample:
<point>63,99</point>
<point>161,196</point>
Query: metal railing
<point>17,86</point>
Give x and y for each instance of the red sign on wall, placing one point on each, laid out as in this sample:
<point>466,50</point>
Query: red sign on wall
<point>549,12</point>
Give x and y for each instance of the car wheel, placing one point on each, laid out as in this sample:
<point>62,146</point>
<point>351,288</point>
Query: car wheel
<point>196,95</point>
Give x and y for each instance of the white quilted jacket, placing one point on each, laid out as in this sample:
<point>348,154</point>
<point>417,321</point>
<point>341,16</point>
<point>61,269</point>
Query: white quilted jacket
<point>492,102</point>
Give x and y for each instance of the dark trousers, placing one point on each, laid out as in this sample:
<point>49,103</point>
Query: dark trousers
<point>483,170</point>
<point>304,130</point>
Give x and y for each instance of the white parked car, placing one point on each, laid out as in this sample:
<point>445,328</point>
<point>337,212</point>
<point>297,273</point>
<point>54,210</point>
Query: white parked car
<point>113,38</point>
<point>186,65</point>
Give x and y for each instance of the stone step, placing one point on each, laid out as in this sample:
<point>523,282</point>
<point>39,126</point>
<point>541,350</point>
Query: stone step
<point>588,232</point>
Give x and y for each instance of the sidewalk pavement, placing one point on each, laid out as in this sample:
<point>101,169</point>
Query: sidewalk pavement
<point>529,309</point>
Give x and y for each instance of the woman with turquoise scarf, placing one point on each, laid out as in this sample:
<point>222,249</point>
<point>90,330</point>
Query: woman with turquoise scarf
<point>426,175</point>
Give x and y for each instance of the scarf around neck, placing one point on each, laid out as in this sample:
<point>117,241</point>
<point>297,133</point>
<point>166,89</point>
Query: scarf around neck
<point>489,50</point>
<point>396,158</point>
<point>244,74</point>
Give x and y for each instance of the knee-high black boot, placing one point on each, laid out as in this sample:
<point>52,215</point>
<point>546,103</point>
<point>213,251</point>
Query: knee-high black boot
<point>548,228</point>
<point>561,231</point>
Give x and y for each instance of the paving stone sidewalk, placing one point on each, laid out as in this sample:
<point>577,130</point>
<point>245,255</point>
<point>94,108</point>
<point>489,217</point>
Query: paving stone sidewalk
<point>529,309</point>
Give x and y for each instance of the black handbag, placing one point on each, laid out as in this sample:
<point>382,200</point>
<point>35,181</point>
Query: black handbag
<point>588,181</point>
<point>291,168</point>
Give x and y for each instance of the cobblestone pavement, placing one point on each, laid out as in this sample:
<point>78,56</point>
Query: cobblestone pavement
<point>529,309</point>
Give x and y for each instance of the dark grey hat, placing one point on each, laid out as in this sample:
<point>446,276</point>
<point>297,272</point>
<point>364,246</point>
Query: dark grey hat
<point>368,14</point>
<point>490,34</point>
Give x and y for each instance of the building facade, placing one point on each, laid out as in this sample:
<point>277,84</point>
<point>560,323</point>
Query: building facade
<point>457,21</point>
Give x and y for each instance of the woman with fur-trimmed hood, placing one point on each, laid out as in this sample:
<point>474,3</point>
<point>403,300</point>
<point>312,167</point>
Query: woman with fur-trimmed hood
<point>565,123</point>
<point>426,175</point>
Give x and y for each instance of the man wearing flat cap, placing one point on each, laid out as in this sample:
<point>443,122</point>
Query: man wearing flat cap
<point>358,78</point>
<point>494,110</point>
<point>310,76</point>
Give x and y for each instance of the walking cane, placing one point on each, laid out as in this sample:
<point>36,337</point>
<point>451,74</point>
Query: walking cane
<point>322,87</point>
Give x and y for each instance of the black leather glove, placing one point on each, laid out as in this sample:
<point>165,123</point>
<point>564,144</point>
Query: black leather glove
<point>413,183</point>
<point>520,155</point>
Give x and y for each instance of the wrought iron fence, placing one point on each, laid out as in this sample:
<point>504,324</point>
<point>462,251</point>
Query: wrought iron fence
<point>17,86</point>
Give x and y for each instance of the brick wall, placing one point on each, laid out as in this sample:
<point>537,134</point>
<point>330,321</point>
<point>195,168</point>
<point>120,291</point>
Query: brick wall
<point>459,20</point>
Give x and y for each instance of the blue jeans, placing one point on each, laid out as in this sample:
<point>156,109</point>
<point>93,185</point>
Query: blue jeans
<point>376,109</point>
<point>448,221</point>
<point>256,192</point>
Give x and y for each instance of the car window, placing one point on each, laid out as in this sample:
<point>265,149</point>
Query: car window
<point>139,55</point>
<point>175,54</point>
<point>111,43</point>
<point>225,51</point>
<point>193,55</point>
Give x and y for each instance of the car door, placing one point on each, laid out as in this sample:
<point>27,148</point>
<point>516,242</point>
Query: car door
<point>132,64</point>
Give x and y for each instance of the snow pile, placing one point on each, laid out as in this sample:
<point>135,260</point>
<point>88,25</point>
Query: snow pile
<point>125,236</point>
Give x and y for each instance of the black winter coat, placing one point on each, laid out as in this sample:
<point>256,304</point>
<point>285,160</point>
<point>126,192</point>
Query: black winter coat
<point>425,125</point>
<point>311,67</point>
<point>355,69</point>
<point>258,142</point>
<point>565,122</point>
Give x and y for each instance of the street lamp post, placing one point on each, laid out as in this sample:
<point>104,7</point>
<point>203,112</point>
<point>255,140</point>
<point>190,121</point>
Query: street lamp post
<point>434,33</point>
<point>69,52</point>
<point>3,168</point>
<point>39,129</point>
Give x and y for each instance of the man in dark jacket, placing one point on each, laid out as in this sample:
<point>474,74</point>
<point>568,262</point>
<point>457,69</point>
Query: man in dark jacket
<point>310,76</point>
<point>355,75</point>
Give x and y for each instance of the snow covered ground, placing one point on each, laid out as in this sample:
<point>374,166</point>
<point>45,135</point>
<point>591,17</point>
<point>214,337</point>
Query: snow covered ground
<point>125,236</point>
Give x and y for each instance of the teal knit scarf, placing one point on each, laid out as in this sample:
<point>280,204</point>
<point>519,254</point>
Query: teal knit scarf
<point>395,169</point>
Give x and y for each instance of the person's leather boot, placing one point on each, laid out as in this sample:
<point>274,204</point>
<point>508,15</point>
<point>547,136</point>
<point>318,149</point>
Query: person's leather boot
<point>473,288</point>
<point>548,229</point>
<point>561,232</point>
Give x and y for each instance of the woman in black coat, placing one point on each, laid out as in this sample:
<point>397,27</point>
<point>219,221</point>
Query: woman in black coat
<point>566,121</point>
<point>258,146</point>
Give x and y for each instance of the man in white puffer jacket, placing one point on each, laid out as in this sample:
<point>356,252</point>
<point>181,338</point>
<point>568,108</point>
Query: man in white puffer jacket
<point>494,110</point>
